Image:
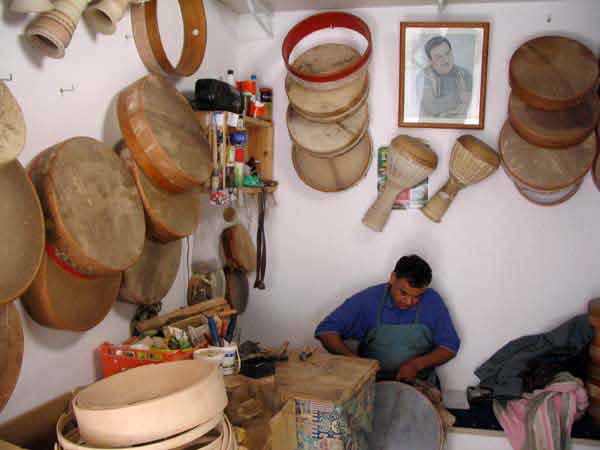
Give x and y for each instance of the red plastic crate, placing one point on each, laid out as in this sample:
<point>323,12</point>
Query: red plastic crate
<point>117,358</point>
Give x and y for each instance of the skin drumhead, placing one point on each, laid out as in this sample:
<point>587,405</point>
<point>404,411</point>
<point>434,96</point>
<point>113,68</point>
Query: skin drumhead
<point>11,356</point>
<point>12,126</point>
<point>21,231</point>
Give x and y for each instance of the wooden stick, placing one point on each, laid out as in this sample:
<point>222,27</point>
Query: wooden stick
<point>159,321</point>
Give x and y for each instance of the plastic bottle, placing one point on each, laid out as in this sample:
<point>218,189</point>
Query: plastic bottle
<point>238,169</point>
<point>230,78</point>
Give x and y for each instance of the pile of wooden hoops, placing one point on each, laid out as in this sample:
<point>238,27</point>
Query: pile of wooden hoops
<point>548,144</point>
<point>181,406</point>
<point>327,118</point>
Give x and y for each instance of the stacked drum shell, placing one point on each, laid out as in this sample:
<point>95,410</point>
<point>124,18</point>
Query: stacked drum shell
<point>170,159</point>
<point>327,118</point>
<point>593,380</point>
<point>548,143</point>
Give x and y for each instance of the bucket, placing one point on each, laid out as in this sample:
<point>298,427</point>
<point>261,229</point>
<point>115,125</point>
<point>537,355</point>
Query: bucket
<point>227,357</point>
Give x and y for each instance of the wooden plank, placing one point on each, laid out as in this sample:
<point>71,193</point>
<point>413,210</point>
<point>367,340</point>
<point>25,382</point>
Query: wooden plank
<point>159,321</point>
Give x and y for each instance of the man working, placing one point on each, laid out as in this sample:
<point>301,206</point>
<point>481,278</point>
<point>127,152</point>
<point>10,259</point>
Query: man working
<point>403,324</point>
<point>445,87</point>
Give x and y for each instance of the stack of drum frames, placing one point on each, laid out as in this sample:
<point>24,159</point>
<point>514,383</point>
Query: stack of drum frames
<point>327,87</point>
<point>593,379</point>
<point>95,230</point>
<point>120,412</point>
<point>548,144</point>
<point>170,159</point>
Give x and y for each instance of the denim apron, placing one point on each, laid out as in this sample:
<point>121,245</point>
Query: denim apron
<point>392,345</point>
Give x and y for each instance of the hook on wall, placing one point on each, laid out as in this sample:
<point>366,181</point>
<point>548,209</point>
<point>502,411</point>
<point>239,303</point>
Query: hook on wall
<point>10,78</point>
<point>63,90</point>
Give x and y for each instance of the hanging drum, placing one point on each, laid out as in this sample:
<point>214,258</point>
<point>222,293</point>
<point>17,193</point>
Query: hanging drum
<point>21,229</point>
<point>63,299</point>
<point>11,353</point>
<point>596,173</point>
<point>554,129</point>
<point>404,419</point>
<point>553,72</point>
<point>150,279</point>
<point>237,289</point>
<point>170,216</point>
<point>326,140</point>
<point>163,134</point>
<point>332,105</point>
<point>342,68</point>
<point>543,176</point>
<point>12,126</point>
<point>337,173</point>
<point>238,248</point>
<point>94,215</point>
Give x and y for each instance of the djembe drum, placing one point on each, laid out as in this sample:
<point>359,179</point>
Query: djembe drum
<point>471,161</point>
<point>410,161</point>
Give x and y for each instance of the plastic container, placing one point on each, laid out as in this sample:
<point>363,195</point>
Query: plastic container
<point>258,367</point>
<point>117,358</point>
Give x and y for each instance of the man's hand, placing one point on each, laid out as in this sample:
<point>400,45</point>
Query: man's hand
<point>409,370</point>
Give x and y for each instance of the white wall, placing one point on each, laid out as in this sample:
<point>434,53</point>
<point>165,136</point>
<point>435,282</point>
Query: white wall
<point>99,67</point>
<point>504,266</point>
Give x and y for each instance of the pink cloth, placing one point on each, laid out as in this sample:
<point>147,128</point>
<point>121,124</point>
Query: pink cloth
<point>543,419</point>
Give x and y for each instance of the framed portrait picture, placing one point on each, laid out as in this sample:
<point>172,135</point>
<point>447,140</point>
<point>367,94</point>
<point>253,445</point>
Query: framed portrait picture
<point>443,67</point>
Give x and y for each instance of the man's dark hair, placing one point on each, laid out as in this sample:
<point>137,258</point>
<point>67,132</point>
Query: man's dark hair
<point>435,42</point>
<point>415,270</point>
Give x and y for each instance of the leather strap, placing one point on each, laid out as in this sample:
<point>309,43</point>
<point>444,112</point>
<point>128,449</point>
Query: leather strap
<point>144,20</point>
<point>261,244</point>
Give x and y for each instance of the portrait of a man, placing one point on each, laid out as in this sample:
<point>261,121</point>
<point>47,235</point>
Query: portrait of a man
<point>445,87</point>
<point>442,74</point>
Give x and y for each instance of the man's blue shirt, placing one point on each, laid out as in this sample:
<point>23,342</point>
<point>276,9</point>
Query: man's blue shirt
<point>358,314</point>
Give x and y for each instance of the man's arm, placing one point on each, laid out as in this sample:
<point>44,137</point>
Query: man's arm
<point>410,369</point>
<point>333,343</point>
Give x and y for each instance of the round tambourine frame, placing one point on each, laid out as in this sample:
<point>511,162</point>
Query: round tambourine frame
<point>323,21</point>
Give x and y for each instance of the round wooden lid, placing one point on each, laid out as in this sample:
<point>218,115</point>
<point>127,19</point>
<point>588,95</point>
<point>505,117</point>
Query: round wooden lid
<point>11,356</point>
<point>94,212</point>
<point>238,248</point>
<point>12,126</point>
<point>150,279</point>
<point>544,169</point>
<point>553,72</point>
<point>237,289</point>
<point>171,216</point>
<point>326,105</point>
<point>21,231</point>
<point>163,134</point>
<point>328,139</point>
<point>337,173</point>
<point>60,299</point>
<point>554,129</point>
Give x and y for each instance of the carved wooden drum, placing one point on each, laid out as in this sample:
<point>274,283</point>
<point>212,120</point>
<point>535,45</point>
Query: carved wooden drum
<point>11,353</point>
<point>327,140</point>
<point>94,215</point>
<point>149,280</point>
<point>238,248</point>
<point>12,126</point>
<point>405,419</point>
<point>170,216</point>
<point>163,134</point>
<point>553,72</point>
<point>554,129</point>
<point>237,290</point>
<point>332,105</point>
<point>337,173</point>
<point>63,299</point>
<point>21,230</point>
<point>545,176</point>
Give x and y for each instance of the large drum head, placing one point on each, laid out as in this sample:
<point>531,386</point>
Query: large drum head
<point>12,126</point>
<point>405,419</point>
<point>21,231</point>
<point>553,72</point>
<point>328,139</point>
<point>331,105</point>
<point>11,353</point>
<point>337,173</point>
<point>554,129</point>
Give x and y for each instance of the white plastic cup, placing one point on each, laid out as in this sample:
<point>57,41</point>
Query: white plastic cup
<point>231,359</point>
<point>212,354</point>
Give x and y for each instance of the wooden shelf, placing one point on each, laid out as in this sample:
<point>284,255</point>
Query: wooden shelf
<point>256,190</point>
